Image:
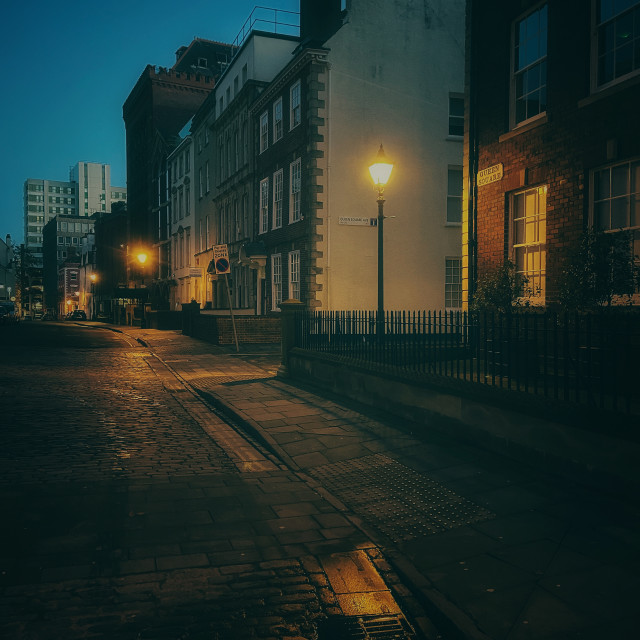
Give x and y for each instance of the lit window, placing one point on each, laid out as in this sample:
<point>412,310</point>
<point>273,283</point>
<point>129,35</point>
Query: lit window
<point>277,198</point>
<point>617,40</point>
<point>453,283</point>
<point>264,131</point>
<point>264,205</point>
<point>295,171</point>
<point>529,80</point>
<point>276,281</point>
<point>295,112</point>
<point>529,237</point>
<point>454,195</point>
<point>616,197</point>
<point>456,115</point>
<point>294,275</point>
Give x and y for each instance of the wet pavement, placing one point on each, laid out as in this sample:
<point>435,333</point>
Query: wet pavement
<point>177,489</point>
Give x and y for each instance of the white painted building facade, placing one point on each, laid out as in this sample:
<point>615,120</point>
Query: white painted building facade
<point>394,75</point>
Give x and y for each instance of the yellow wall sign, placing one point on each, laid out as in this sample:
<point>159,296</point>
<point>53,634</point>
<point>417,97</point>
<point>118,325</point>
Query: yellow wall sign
<point>490,174</point>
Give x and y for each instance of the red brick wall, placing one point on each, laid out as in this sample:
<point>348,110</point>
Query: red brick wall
<point>219,330</point>
<point>560,151</point>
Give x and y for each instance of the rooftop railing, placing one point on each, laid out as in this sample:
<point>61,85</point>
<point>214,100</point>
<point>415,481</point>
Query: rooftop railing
<point>276,21</point>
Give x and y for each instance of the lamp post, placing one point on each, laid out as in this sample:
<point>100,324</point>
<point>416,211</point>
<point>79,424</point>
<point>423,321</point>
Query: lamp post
<point>141,257</point>
<point>380,172</point>
<point>93,277</point>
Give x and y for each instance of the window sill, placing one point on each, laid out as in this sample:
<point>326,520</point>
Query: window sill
<point>523,128</point>
<point>611,90</point>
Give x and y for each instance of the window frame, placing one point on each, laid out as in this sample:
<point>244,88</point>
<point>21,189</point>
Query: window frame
<point>278,202</point>
<point>456,96</point>
<point>596,85</point>
<point>630,196</point>
<point>264,131</point>
<point>294,274</point>
<point>295,109</point>
<point>539,245</point>
<point>278,122</point>
<point>453,285</point>
<point>513,72</point>
<point>263,203</point>
<point>276,281</point>
<point>451,196</point>
<point>295,191</point>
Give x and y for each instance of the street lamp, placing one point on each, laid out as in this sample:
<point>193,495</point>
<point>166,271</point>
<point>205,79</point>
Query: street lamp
<point>380,172</point>
<point>93,277</point>
<point>141,256</point>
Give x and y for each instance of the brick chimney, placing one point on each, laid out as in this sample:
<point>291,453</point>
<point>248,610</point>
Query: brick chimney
<point>319,20</point>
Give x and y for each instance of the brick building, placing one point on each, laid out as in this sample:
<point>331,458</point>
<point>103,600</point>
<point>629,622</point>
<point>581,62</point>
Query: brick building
<point>552,144</point>
<point>159,105</point>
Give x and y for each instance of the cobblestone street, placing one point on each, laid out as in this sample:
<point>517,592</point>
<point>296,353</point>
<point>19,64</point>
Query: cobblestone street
<point>158,486</point>
<point>125,518</point>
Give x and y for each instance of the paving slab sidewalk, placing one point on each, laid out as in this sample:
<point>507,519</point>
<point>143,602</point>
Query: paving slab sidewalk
<point>499,549</point>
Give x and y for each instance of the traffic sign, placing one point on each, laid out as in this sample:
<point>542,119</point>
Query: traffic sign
<point>221,259</point>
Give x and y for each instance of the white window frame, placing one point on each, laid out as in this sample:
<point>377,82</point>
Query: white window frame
<point>278,198</point>
<point>295,104</point>
<point>278,124</point>
<point>520,75</point>
<point>528,239</point>
<point>200,183</point>
<point>614,196</point>
<point>276,281</point>
<point>207,180</point>
<point>454,199</point>
<point>453,282</point>
<point>264,132</point>
<point>611,24</point>
<point>295,190</point>
<point>294,275</point>
<point>264,206</point>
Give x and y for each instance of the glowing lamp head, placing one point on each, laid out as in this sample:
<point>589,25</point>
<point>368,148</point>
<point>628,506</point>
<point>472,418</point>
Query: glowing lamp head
<point>142,257</point>
<point>381,169</point>
<point>93,277</point>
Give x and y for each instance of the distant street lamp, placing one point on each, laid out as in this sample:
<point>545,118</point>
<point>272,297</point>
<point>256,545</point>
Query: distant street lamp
<point>380,172</point>
<point>93,277</point>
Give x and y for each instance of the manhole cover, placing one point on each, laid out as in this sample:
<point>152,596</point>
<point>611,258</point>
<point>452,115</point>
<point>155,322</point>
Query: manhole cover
<point>365,628</point>
<point>399,501</point>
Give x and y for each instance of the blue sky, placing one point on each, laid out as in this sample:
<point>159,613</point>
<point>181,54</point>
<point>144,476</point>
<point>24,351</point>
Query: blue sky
<point>69,67</point>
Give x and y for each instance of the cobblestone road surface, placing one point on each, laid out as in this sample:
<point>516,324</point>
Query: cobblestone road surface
<point>132,511</point>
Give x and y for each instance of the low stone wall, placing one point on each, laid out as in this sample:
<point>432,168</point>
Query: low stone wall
<point>504,421</point>
<point>219,330</point>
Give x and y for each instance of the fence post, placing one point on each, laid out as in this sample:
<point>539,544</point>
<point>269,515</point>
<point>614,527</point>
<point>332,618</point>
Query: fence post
<point>288,310</point>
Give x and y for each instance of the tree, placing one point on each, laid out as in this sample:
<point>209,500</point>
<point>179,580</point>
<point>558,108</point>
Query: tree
<point>501,289</point>
<point>599,271</point>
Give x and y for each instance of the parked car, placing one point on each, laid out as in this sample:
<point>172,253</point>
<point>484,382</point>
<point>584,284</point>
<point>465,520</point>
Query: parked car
<point>78,314</point>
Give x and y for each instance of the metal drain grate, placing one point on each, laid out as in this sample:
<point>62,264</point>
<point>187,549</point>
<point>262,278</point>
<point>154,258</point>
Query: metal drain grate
<point>366,628</point>
<point>397,500</point>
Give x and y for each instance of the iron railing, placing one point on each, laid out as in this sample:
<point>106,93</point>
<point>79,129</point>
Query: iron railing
<point>589,359</point>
